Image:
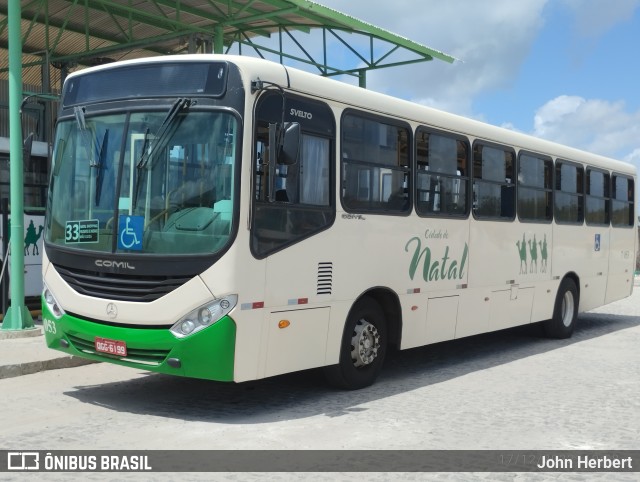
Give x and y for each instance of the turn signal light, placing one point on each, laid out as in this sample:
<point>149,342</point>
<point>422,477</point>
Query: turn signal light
<point>283,324</point>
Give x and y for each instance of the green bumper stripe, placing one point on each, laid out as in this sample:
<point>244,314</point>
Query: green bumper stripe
<point>207,354</point>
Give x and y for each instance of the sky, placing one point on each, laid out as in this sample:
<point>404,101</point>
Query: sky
<point>563,70</point>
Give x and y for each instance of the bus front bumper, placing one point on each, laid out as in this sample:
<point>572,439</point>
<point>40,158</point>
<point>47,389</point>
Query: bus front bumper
<point>208,354</point>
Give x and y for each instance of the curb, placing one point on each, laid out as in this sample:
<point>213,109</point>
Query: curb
<point>27,333</point>
<point>57,360</point>
<point>28,368</point>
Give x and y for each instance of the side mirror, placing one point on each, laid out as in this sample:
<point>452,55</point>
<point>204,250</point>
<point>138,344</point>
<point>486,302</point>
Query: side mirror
<point>290,144</point>
<point>26,149</point>
<point>284,149</point>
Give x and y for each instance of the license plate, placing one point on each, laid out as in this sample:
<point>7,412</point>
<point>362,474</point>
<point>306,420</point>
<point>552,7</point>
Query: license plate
<point>111,347</point>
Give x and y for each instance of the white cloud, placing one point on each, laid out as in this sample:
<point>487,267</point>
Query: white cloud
<point>592,19</point>
<point>633,157</point>
<point>595,17</point>
<point>594,125</point>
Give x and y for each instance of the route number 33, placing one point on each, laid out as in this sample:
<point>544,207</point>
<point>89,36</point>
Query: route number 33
<point>72,232</point>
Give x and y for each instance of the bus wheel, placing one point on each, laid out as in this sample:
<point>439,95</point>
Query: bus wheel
<point>363,348</point>
<point>565,311</point>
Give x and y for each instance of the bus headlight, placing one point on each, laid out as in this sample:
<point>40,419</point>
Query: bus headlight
<point>51,302</point>
<point>204,316</point>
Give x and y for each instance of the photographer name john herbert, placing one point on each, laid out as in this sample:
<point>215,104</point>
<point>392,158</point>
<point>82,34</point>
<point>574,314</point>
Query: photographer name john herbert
<point>585,462</point>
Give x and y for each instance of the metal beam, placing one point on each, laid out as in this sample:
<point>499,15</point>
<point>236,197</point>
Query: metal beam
<point>135,14</point>
<point>358,25</point>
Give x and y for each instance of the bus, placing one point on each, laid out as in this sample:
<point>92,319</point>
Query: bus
<point>35,194</point>
<point>230,218</point>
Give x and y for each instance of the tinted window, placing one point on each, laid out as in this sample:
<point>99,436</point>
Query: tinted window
<point>622,203</point>
<point>375,165</point>
<point>535,187</point>
<point>493,188</point>
<point>442,180</point>
<point>569,193</point>
<point>291,202</point>
<point>35,182</point>
<point>597,199</point>
<point>152,79</point>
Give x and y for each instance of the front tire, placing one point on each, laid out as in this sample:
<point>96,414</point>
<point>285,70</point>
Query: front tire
<point>363,347</point>
<point>565,311</point>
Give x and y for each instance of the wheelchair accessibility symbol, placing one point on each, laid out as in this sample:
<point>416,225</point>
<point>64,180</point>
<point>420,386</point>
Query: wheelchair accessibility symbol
<point>130,230</point>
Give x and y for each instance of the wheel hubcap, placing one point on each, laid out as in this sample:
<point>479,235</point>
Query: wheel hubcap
<point>567,309</point>
<point>365,343</point>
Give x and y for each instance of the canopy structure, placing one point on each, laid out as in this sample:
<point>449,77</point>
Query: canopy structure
<point>70,34</point>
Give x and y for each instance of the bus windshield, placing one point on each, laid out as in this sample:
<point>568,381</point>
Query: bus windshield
<point>143,182</point>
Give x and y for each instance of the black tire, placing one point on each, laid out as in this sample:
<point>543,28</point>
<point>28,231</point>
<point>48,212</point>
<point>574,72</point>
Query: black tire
<point>366,329</point>
<point>565,311</point>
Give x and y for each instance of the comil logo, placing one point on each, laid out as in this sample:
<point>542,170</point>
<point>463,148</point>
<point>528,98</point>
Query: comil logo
<point>106,263</point>
<point>23,461</point>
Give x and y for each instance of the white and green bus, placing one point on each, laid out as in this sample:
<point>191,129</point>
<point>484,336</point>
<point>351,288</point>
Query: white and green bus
<point>230,218</point>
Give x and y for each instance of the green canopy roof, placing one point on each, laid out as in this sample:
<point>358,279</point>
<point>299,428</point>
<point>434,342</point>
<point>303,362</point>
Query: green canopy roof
<point>76,33</point>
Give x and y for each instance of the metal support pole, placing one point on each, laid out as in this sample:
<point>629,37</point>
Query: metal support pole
<point>192,47</point>
<point>17,316</point>
<point>46,87</point>
<point>362,78</point>
<point>64,71</point>
<point>218,39</point>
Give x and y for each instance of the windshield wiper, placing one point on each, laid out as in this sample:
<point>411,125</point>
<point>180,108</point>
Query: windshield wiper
<point>92,148</point>
<point>101,165</point>
<point>145,144</point>
<point>89,143</point>
<point>161,136</point>
<point>166,130</point>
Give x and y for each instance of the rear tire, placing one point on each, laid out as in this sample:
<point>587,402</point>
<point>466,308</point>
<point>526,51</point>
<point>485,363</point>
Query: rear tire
<point>565,311</point>
<point>363,347</point>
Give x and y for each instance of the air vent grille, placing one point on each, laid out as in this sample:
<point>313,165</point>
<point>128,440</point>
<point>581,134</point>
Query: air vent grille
<point>325,278</point>
<point>120,287</point>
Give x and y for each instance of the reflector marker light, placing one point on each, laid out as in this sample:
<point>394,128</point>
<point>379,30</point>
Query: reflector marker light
<point>298,301</point>
<point>412,291</point>
<point>256,305</point>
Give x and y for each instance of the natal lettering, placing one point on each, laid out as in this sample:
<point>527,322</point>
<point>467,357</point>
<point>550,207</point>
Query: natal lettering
<point>438,268</point>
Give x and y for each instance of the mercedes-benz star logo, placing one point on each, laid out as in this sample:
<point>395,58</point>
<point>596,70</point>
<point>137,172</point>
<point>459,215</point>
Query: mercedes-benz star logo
<point>112,310</point>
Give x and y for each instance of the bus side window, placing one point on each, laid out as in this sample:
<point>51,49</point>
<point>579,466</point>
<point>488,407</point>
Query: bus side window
<point>35,182</point>
<point>597,206</point>
<point>535,187</point>
<point>442,174</point>
<point>375,165</point>
<point>301,202</point>
<point>622,201</point>
<point>493,187</point>
<point>4,177</point>
<point>569,193</point>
